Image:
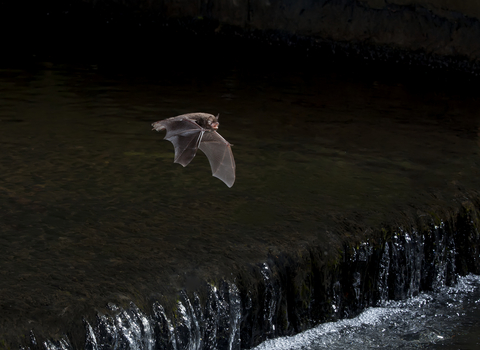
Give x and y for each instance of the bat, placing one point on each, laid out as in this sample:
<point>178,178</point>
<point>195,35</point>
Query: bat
<point>189,132</point>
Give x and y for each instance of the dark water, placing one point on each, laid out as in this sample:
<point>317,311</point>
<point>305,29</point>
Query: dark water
<point>94,210</point>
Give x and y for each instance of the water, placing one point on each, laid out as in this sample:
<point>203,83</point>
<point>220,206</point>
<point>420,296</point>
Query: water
<point>95,214</point>
<point>445,319</point>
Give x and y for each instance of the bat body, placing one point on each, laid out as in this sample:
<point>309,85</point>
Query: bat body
<point>189,132</point>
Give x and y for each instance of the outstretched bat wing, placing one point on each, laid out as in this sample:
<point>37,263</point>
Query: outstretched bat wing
<point>184,134</point>
<point>220,156</point>
<point>188,132</point>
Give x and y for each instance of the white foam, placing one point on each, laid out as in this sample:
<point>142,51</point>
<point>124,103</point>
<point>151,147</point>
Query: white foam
<point>415,322</point>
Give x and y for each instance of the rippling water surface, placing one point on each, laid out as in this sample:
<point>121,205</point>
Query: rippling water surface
<point>94,210</point>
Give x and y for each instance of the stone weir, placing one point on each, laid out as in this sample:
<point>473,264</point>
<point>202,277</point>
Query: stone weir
<point>292,291</point>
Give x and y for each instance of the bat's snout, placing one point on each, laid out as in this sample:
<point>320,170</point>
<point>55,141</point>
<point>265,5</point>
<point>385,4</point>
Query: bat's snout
<point>158,126</point>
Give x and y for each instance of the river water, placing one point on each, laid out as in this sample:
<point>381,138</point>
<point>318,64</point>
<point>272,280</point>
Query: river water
<point>94,210</point>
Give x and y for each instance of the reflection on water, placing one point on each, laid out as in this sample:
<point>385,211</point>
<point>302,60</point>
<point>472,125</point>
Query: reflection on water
<point>95,211</point>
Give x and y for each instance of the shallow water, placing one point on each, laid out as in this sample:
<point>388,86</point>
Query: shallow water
<point>95,211</point>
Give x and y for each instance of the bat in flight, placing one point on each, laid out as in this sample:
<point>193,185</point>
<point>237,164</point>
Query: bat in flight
<point>189,132</point>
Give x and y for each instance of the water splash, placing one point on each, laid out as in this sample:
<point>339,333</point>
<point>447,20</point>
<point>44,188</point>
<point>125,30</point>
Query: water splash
<point>62,344</point>
<point>384,273</point>
<point>406,256</point>
<point>164,329</point>
<point>417,322</point>
<point>126,329</point>
<point>270,300</point>
<point>187,328</point>
<point>216,326</point>
<point>234,341</point>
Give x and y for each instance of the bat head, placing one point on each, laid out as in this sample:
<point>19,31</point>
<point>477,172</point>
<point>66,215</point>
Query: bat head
<point>210,122</point>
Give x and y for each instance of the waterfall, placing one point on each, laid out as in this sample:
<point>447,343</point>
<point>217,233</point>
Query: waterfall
<point>287,294</point>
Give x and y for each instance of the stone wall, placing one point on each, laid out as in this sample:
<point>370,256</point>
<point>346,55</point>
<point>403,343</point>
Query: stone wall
<point>442,27</point>
<point>436,33</point>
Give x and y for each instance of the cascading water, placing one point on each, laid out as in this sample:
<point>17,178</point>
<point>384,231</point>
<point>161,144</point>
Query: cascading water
<point>126,329</point>
<point>407,264</point>
<point>270,301</point>
<point>217,326</point>
<point>417,322</point>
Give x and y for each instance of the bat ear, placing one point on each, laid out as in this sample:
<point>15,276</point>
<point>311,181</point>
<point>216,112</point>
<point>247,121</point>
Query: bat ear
<point>218,116</point>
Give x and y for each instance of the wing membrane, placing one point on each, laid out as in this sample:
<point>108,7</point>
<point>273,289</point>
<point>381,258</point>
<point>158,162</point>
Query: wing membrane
<point>220,156</point>
<point>185,135</point>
